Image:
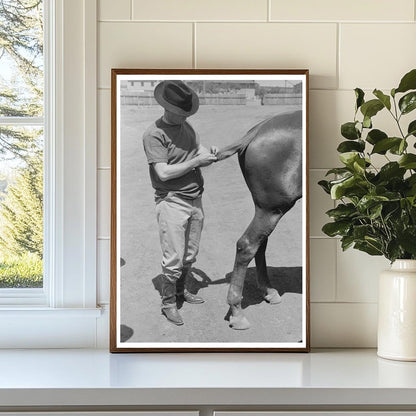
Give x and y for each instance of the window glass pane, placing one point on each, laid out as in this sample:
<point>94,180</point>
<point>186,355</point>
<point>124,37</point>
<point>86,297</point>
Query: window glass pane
<point>21,58</point>
<point>21,211</point>
<point>21,145</point>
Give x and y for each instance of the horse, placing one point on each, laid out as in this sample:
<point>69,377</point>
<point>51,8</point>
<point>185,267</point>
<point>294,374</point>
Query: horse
<point>270,158</point>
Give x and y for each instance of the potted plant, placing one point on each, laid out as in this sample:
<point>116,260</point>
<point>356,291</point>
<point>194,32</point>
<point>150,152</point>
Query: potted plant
<point>376,206</point>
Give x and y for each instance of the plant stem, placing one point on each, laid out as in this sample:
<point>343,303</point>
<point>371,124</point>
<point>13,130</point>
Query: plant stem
<point>397,118</point>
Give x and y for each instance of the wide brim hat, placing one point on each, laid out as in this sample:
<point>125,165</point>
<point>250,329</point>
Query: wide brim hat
<point>177,97</point>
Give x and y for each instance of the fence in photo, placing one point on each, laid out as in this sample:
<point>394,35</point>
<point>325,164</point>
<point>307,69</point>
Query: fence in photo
<point>223,99</point>
<point>129,97</point>
<point>282,99</point>
<point>146,98</point>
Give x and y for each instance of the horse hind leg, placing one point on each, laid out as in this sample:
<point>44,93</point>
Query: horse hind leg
<point>269,294</point>
<point>248,245</point>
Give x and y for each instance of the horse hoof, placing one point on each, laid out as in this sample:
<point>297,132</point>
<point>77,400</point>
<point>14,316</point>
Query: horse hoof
<point>272,297</point>
<point>239,322</point>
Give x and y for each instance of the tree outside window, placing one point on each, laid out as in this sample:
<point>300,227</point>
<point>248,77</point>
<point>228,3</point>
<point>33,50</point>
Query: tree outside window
<point>21,143</point>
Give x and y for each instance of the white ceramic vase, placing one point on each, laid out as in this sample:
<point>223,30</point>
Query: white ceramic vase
<point>397,312</point>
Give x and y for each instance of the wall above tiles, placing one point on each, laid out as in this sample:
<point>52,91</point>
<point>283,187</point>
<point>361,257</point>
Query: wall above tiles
<point>345,44</point>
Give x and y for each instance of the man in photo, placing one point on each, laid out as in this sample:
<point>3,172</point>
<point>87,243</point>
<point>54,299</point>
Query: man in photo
<point>175,156</point>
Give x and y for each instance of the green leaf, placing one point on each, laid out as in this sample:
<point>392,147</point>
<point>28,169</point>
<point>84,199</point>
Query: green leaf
<point>346,242</point>
<point>385,99</point>
<point>336,228</point>
<point>369,201</point>
<point>342,211</point>
<point>338,171</point>
<point>325,186</point>
<point>359,95</point>
<point>394,251</point>
<point>361,231</point>
<point>338,189</point>
<point>375,136</point>
<point>383,145</point>
<point>375,211</point>
<point>349,131</point>
<point>391,170</point>
<point>408,82</point>
<point>368,248</point>
<point>408,102</point>
<point>367,122</point>
<point>411,185</point>
<point>349,146</point>
<point>411,130</point>
<point>407,239</point>
<point>408,161</point>
<point>348,158</point>
<point>352,187</point>
<point>398,149</point>
<point>359,165</point>
<point>371,108</point>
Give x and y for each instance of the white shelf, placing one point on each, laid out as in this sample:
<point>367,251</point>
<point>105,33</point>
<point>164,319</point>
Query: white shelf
<point>335,378</point>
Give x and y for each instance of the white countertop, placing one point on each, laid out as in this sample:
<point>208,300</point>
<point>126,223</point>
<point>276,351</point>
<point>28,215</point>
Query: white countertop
<point>96,377</point>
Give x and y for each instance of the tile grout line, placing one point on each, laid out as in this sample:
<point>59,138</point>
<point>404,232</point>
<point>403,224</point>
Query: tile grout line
<point>308,22</point>
<point>336,271</point>
<point>338,64</point>
<point>194,62</point>
<point>352,302</point>
<point>131,9</point>
<point>269,10</point>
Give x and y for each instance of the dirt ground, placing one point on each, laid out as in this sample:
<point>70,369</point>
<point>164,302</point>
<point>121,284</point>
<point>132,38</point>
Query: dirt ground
<point>228,209</point>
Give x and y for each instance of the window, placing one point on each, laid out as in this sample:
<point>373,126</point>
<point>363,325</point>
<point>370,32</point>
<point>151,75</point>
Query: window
<point>63,313</point>
<point>22,130</point>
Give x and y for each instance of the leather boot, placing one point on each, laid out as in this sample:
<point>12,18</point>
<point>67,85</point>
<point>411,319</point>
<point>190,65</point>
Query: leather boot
<point>184,294</point>
<point>169,308</point>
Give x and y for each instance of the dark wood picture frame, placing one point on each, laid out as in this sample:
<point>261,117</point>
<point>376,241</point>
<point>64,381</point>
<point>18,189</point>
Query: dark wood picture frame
<point>275,88</point>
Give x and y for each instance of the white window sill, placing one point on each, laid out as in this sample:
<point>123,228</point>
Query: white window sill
<point>34,311</point>
<point>40,327</point>
<point>331,379</point>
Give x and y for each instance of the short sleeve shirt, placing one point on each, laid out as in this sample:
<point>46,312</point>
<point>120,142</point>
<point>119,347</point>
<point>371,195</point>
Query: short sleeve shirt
<point>171,144</point>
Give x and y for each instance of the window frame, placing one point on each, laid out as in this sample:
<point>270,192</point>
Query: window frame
<point>65,314</point>
<point>37,296</point>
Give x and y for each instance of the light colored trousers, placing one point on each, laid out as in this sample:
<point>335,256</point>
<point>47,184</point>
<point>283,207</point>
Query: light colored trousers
<point>180,226</point>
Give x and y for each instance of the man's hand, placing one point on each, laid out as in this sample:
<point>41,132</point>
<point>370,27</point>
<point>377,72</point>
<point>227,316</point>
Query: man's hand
<point>205,159</point>
<point>214,150</point>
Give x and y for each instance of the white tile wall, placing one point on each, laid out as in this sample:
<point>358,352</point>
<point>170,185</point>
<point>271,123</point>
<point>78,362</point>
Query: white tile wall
<point>114,10</point>
<point>386,52</point>
<point>323,269</point>
<point>357,275</point>
<point>200,10</point>
<point>350,325</point>
<point>270,45</point>
<point>357,10</point>
<point>104,128</point>
<point>104,202</point>
<point>345,44</point>
<point>142,45</point>
<point>103,271</point>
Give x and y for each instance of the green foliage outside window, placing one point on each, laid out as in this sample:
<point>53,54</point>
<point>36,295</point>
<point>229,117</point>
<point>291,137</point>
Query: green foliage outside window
<point>21,147</point>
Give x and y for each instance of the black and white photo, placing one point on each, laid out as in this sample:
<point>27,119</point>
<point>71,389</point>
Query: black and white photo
<point>209,243</point>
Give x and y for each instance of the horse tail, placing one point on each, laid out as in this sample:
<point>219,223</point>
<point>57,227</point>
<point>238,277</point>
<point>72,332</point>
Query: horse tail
<point>240,145</point>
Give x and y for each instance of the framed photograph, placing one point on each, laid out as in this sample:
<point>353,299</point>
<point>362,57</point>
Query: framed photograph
<point>209,210</point>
